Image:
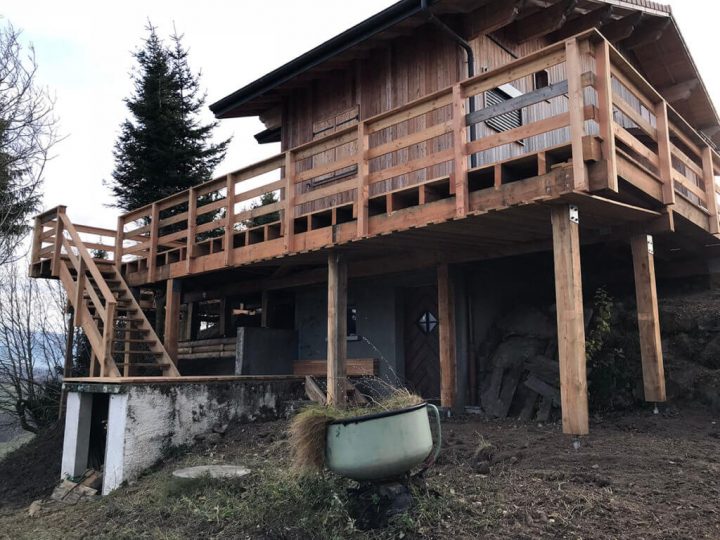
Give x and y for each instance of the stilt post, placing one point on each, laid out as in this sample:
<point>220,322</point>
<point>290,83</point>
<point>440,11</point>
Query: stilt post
<point>337,330</point>
<point>172,318</point>
<point>446,329</point>
<point>648,318</point>
<point>570,319</point>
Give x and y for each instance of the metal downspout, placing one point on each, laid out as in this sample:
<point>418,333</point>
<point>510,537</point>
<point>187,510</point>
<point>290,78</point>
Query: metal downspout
<point>425,6</point>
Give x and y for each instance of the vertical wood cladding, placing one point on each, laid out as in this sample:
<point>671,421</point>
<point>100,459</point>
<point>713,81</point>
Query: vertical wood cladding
<point>406,69</point>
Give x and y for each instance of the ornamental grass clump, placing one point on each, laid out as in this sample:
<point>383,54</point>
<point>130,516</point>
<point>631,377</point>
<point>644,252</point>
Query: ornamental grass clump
<point>308,429</point>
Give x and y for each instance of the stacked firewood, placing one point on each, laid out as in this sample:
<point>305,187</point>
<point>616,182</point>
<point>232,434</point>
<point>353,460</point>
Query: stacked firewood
<point>519,371</point>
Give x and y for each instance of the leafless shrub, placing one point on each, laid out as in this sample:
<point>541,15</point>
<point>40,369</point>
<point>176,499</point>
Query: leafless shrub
<point>33,334</point>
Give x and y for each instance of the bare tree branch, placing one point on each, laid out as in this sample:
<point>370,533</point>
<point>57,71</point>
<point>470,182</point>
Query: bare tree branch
<point>28,131</point>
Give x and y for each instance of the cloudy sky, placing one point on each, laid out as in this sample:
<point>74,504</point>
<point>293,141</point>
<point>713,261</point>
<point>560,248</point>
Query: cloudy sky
<point>83,50</point>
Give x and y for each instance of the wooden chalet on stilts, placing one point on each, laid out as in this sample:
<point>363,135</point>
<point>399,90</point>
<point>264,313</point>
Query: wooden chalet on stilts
<point>417,147</point>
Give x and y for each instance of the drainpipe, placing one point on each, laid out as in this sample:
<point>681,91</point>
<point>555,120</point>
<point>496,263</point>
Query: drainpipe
<point>425,6</point>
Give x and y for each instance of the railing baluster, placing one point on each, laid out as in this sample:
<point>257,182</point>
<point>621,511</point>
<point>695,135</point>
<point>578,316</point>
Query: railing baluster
<point>58,242</point>
<point>363,189</point>
<point>460,139</point>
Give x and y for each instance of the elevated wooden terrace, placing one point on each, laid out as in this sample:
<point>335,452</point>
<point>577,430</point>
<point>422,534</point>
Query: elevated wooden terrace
<point>607,143</point>
<point>425,184</point>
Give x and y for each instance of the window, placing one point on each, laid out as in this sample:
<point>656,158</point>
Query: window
<point>542,79</point>
<point>507,121</point>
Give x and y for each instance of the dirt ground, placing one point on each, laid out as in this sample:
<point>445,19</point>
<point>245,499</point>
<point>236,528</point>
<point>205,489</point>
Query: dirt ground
<point>637,475</point>
<point>32,471</point>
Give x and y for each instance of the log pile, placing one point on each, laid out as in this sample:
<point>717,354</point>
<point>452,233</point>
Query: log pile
<point>520,369</point>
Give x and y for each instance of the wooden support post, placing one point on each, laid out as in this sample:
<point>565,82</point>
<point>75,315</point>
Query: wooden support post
<point>191,321</point>
<point>603,86</point>
<point>576,106</point>
<point>337,330</point>
<point>229,220</point>
<point>363,189</point>
<point>79,293</point>
<point>57,249</point>
<point>172,318</point>
<point>570,321</point>
<point>461,159</point>
<point>446,329</point>
<point>69,345</point>
<point>648,318</point>
<point>37,241</point>
<point>664,153</point>
<point>191,228</point>
<point>154,226</point>
<point>108,337</point>
<point>289,218</point>
<point>126,350</point>
<point>710,192</point>
<point>119,242</point>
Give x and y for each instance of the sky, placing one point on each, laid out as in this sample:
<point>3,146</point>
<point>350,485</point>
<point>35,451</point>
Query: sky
<point>84,48</point>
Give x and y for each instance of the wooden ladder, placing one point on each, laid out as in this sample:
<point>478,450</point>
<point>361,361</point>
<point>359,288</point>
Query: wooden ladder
<point>122,340</point>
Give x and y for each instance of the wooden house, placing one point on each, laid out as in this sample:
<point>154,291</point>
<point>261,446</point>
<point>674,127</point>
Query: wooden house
<point>427,139</point>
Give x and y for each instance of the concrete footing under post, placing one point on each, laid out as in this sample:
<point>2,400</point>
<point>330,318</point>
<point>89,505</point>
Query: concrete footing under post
<point>145,420</point>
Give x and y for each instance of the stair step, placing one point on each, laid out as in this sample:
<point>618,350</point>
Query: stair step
<point>146,341</point>
<point>143,364</point>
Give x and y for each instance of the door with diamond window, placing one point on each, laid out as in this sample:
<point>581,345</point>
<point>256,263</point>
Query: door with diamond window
<point>422,344</point>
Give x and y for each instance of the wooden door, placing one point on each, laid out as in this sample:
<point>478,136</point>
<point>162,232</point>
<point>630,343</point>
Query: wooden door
<point>422,346</point>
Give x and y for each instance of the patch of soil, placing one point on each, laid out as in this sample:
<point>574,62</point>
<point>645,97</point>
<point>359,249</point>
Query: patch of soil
<point>33,470</point>
<point>637,475</point>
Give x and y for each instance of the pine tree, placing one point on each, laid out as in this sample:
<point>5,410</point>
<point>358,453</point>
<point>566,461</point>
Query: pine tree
<point>163,147</point>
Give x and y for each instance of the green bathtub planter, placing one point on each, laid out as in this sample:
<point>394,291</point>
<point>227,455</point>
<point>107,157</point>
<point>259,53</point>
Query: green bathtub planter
<point>382,446</point>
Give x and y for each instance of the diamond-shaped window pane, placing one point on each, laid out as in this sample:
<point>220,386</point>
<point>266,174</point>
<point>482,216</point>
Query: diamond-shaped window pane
<point>427,322</point>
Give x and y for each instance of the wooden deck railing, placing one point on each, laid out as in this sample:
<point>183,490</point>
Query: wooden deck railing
<point>352,183</point>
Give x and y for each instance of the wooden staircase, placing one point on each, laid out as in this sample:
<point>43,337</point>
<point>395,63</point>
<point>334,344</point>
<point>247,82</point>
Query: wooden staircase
<point>123,342</point>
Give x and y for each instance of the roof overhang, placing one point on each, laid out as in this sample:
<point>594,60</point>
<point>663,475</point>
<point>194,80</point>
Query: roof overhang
<point>651,39</point>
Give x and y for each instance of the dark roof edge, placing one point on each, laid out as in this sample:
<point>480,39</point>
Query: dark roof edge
<point>358,33</point>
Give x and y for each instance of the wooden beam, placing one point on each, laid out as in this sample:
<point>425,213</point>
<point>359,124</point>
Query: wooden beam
<point>605,116</point>
<point>622,28</point>
<point>154,231</point>
<point>648,318</point>
<point>289,211</point>
<point>191,228</point>
<point>542,22</point>
<point>647,34</point>
<point>337,330</point>
<point>664,153</point>
<point>577,112</point>
<point>710,189</point>
<point>494,16</point>
<point>446,330</point>
<point>570,321</point>
<point>460,138</point>
<point>172,318</point>
<point>363,180</point>
<point>593,19</point>
<point>681,91</point>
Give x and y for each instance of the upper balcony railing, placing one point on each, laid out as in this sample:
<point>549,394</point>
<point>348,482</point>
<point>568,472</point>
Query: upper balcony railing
<point>594,120</point>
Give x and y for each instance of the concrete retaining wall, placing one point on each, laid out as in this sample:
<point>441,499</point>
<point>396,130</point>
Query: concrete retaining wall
<point>144,421</point>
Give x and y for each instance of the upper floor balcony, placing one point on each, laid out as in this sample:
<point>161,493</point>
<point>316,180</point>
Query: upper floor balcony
<point>459,167</point>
